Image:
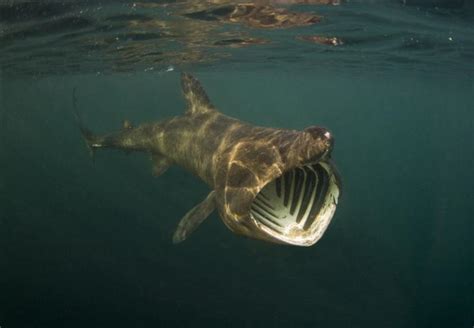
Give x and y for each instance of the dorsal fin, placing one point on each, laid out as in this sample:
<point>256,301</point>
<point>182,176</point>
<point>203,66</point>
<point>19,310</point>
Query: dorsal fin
<point>196,98</point>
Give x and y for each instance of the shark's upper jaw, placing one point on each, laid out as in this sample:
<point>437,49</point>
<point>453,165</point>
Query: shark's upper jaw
<point>297,207</point>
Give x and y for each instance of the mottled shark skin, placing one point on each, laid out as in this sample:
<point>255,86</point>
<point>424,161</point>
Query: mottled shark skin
<point>272,184</point>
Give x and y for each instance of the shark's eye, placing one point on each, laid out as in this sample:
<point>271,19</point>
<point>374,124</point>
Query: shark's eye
<point>297,207</point>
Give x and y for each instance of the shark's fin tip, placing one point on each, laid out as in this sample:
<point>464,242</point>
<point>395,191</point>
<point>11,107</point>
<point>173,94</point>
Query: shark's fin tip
<point>177,238</point>
<point>160,164</point>
<point>127,125</point>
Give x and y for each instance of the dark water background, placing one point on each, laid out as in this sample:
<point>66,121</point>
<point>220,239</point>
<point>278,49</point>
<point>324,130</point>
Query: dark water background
<point>88,244</point>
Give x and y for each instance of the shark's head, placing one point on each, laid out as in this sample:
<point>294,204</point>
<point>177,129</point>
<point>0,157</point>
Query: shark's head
<point>280,186</point>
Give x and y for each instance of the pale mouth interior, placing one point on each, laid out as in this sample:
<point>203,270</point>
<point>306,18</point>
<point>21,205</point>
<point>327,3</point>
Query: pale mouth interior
<point>297,207</point>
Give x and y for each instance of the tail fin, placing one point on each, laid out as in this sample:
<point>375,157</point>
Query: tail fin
<point>87,134</point>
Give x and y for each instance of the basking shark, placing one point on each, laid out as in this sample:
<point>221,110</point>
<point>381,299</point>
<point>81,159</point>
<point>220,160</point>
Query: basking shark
<point>276,185</point>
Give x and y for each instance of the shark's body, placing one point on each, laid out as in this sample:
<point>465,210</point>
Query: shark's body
<point>272,184</point>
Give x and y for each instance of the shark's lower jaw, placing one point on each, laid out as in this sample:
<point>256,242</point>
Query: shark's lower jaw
<point>297,207</point>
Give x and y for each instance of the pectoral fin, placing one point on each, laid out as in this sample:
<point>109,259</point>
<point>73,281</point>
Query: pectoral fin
<point>194,218</point>
<point>160,164</point>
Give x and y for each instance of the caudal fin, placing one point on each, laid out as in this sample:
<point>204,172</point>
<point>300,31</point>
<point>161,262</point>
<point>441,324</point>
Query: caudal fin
<point>86,133</point>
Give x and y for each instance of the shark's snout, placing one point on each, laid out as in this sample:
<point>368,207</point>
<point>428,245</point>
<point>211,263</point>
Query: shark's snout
<point>320,134</point>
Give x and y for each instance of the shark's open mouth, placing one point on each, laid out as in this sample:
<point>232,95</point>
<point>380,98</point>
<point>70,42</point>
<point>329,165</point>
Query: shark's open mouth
<point>297,207</point>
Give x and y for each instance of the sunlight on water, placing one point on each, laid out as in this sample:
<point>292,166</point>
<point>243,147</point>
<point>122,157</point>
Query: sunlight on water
<point>54,38</point>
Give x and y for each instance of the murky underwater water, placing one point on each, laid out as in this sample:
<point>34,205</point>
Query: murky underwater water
<point>88,243</point>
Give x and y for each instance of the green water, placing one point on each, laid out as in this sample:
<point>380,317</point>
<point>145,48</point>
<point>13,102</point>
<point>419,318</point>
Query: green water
<point>88,243</point>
